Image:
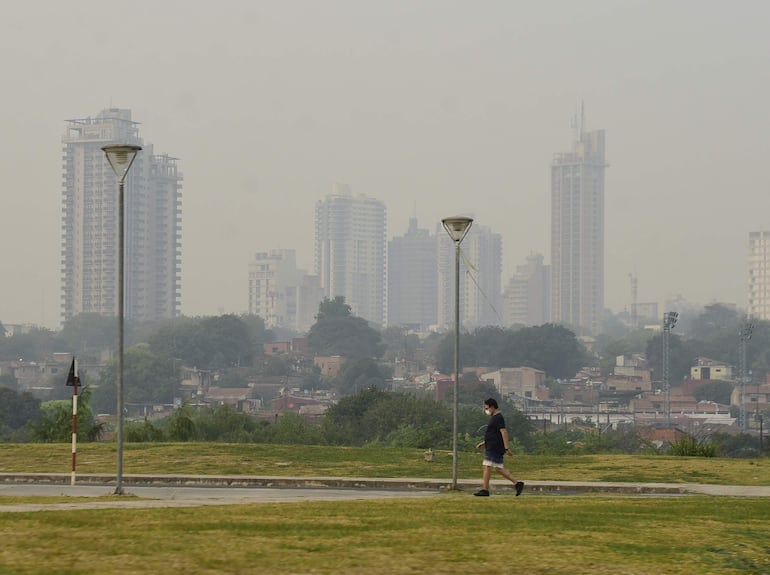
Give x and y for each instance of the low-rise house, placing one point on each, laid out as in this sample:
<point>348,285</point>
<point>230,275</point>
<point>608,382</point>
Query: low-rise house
<point>632,366</point>
<point>706,368</point>
<point>756,397</point>
<point>330,365</point>
<point>627,383</point>
<point>240,398</point>
<point>526,382</point>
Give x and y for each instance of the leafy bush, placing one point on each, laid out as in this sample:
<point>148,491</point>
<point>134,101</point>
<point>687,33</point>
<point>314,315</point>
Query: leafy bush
<point>689,446</point>
<point>55,422</point>
<point>143,432</point>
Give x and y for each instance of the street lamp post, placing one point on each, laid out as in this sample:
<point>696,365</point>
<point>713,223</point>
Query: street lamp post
<point>457,228</point>
<point>669,321</point>
<point>120,157</point>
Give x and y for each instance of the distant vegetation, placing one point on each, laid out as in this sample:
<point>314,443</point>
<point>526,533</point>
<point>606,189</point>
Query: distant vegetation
<point>365,414</point>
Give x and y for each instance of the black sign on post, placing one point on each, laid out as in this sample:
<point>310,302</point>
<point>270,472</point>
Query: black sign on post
<point>71,377</point>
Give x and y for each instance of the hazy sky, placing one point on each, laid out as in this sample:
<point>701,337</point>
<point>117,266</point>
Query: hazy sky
<point>436,107</point>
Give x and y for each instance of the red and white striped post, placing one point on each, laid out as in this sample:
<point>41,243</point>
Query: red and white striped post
<point>74,380</point>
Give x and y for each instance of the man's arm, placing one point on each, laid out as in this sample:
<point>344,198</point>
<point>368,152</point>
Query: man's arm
<point>504,433</point>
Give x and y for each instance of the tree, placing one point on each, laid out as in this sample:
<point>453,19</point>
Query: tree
<point>35,345</point>
<point>86,334</point>
<point>399,343</point>
<point>333,308</point>
<point>208,343</point>
<point>258,333</point>
<point>147,378</point>
<point>16,409</point>
<point>337,332</point>
<point>342,423</point>
<point>388,418</point>
<point>358,374</point>
<point>549,347</point>
<point>290,428</point>
<point>55,422</point>
<point>681,358</point>
<point>8,380</point>
<point>717,391</point>
<point>445,352</point>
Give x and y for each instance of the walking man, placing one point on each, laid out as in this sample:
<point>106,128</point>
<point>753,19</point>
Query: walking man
<point>495,446</point>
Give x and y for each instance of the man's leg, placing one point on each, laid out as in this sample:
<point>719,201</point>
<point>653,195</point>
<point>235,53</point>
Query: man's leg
<point>485,476</point>
<point>505,473</point>
<point>519,484</point>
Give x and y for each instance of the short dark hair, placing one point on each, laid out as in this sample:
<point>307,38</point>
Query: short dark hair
<point>491,402</point>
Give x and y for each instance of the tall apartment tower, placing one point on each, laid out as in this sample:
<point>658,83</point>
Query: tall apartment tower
<point>412,279</point>
<point>527,297</point>
<point>577,233</point>
<point>480,278</point>
<point>759,275</point>
<point>281,294</point>
<point>350,252</point>
<point>153,198</point>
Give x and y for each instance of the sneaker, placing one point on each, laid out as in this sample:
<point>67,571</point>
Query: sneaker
<point>482,493</point>
<point>519,487</point>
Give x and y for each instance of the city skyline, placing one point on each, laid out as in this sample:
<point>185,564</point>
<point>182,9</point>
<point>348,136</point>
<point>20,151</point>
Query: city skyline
<point>438,108</point>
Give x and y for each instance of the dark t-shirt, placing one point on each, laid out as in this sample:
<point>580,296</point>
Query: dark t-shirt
<point>493,439</point>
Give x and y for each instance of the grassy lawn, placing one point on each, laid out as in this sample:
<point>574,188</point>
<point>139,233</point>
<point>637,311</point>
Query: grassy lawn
<point>282,460</point>
<point>451,533</point>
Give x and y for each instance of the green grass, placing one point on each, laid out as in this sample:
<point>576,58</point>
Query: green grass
<point>284,460</point>
<point>451,533</point>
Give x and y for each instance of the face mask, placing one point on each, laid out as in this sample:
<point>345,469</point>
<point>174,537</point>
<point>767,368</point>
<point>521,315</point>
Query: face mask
<point>486,411</point>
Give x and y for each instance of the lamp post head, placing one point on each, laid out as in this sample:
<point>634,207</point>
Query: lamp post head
<point>457,227</point>
<point>120,157</point>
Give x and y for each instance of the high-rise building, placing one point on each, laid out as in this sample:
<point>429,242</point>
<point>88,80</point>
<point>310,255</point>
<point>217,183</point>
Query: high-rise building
<point>759,275</point>
<point>527,297</point>
<point>281,294</point>
<point>350,252</point>
<point>577,233</point>
<point>480,278</point>
<point>153,224</point>
<point>412,279</point>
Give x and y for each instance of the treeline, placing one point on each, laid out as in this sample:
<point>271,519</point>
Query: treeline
<point>369,417</point>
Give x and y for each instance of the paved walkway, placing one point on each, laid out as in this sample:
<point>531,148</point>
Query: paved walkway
<point>196,490</point>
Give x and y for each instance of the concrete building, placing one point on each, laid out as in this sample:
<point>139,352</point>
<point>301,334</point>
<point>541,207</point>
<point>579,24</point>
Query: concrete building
<point>281,294</point>
<point>527,297</point>
<point>525,382</point>
<point>759,275</point>
<point>350,252</point>
<point>412,279</point>
<point>153,223</point>
<point>706,368</point>
<point>480,278</point>
<point>577,233</point>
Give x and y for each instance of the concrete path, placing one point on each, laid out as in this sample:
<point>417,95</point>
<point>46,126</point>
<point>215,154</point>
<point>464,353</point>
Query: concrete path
<point>149,497</point>
<point>148,491</point>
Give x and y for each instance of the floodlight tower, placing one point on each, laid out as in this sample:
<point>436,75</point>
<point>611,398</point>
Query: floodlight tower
<point>669,321</point>
<point>743,336</point>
